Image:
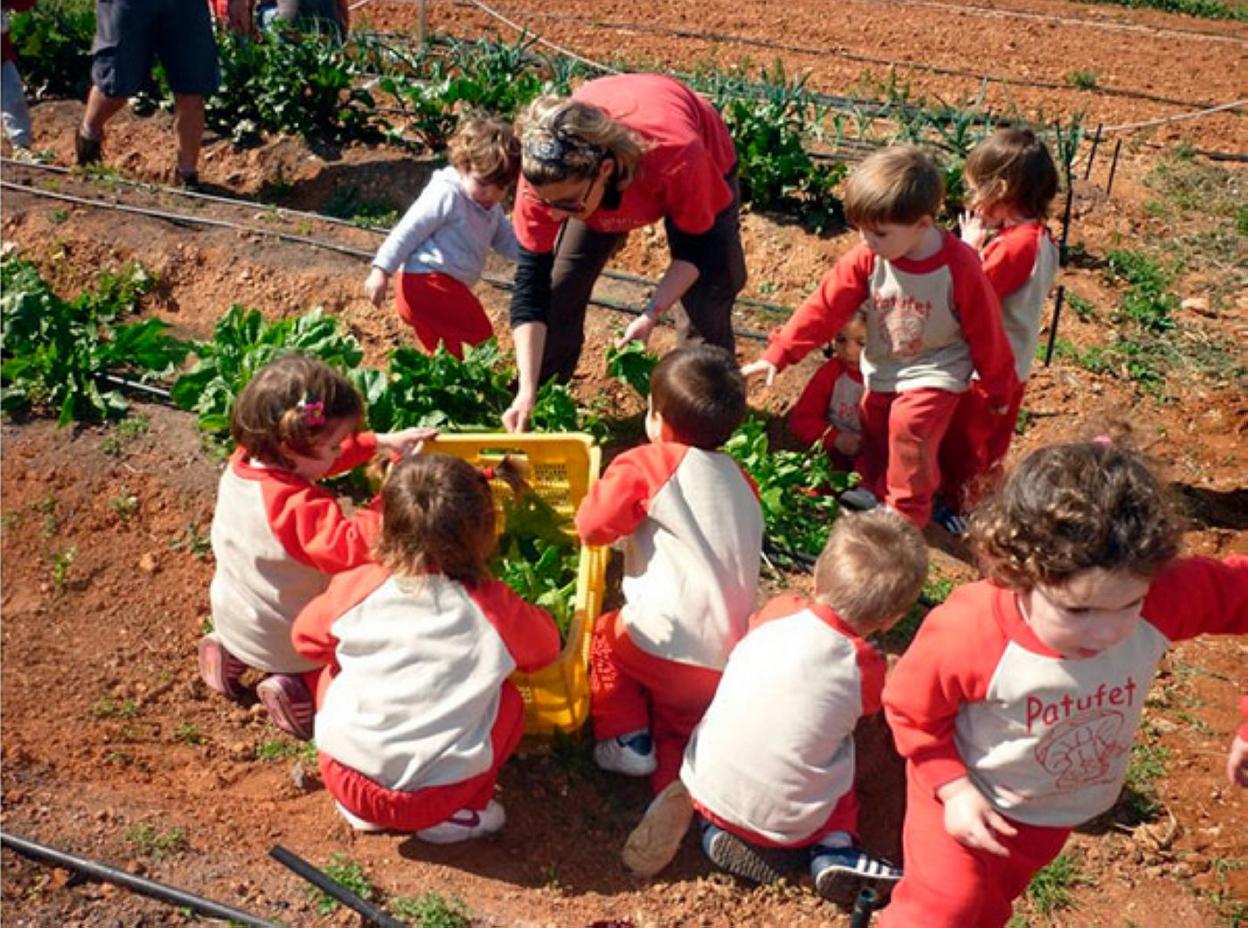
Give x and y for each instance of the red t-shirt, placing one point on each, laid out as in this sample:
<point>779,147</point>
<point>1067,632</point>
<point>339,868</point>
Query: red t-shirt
<point>681,176</point>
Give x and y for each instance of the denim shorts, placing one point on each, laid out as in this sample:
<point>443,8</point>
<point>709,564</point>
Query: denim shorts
<point>131,34</point>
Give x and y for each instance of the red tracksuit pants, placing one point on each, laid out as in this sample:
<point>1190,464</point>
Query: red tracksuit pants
<point>441,309</point>
<point>843,817</point>
<point>631,689</point>
<point>901,436</point>
<point>949,885</point>
<point>399,810</point>
<point>975,446</point>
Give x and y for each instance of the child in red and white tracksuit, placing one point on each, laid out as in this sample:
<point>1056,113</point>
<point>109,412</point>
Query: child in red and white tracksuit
<point>827,410</point>
<point>690,524</point>
<point>1012,182</point>
<point>772,763</point>
<point>277,536</point>
<point>415,714</point>
<point>1018,701</point>
<point>442,241</point>
<point>932,319</point>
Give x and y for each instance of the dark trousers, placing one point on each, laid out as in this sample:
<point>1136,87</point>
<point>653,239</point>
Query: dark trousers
<point>704,313</point>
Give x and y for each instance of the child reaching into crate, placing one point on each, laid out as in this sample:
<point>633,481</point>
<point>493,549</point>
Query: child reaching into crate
<point>771,766</point>
<point>1012,181</point>
<point>932,318</point>
<point>276,535</point>
<point>691,528</point>
<point>1018,701</point>
<point>827,410</point>
<point>442,241</point>
<point>415,712</point>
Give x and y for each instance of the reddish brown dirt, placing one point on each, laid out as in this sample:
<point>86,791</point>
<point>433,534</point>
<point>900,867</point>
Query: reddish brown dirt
<point>107,727</point>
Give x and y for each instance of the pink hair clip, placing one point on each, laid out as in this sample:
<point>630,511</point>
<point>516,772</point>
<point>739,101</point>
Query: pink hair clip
<point>313,411</point>
<point>487,473</point>
<point>1102,440</point>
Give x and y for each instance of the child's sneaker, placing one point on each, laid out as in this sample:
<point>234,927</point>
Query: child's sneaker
<point>949,519</point>
<point>355,821</point>
<point>840,872</point>
<point>740,858</point>
<point>654,841</point>
<point>631,754</point>
<point>860,498</point>
<point>218,668</point>
<point>289,703</point>
<point>465,825</point>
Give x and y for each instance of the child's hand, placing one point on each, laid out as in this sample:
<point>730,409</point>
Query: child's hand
<point>405,441</point>
<point>847,443</point>
<point>974,232</point>
<point>761,366</point>
<point>375,286</point>
<point>1237,763</point>
<point>971,820</point>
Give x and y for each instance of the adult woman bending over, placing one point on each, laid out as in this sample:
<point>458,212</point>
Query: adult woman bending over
<point>621,153</point>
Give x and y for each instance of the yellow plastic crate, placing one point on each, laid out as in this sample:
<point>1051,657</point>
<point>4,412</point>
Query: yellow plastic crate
<point>562,468</point>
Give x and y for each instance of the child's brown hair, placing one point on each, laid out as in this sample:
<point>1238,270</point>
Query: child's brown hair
<point>872,568</point>
<point>290,404</point>
<point>1069,508</point>
<point>486,149</point>
<point>700,393</point>
<point>437,514</point>
<point>899,185</point>
<point>1014,167</point>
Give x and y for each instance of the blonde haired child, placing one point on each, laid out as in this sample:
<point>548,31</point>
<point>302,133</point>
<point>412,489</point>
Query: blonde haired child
<point>442,241</point>
<point>1012,182</point>
<point>1019,699</point>
<point>415,713</point>
<point>827,410</point>
<point>276,535</point>
<point>771,766</point>
<point>692,529</point>
<point>932,318</point>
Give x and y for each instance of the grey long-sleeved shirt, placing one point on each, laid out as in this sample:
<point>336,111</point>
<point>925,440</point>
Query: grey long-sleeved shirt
<point>445,232</point>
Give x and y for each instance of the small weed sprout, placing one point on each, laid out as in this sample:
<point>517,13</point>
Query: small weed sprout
<point>432,910</point>
<point>1082,80</point>
<point>109,708</point>
<point>61,562</point>
<point>125,505</point>
<point>1049,891</point>
<point>156,844</point>
<point>348,874</point>
<point>198,544</point>
<point>187,733</point>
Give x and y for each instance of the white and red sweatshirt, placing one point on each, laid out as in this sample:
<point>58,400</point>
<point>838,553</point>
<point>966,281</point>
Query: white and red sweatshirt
<point>828,406</point>
<point>694,531</point>
<point>276,538</point>
<point>416,669</point>
<point>1021,263</point>
<point>930,323</point>
<point>775,750</point>
<point>1046,739</point>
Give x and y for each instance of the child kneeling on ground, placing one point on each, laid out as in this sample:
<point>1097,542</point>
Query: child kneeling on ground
<point>772,764</point>
<point>692,532</point>
<point>415,714</point>
<point>827,410</point>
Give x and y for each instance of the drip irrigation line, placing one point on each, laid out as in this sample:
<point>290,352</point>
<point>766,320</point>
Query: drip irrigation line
<point>170,895</point>
<point>1178,117</point>
<point>733,39</point>
<point>326,884</point>
<point>185,219</point>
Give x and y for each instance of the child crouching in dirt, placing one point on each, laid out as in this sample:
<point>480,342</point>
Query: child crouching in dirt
<point>276,535</point>
<point>692,532</point>
<point>771,768</point>
<point>827,410</point>
<point>415,713</point>
<point>442,241</point>
<point>1017,704</point>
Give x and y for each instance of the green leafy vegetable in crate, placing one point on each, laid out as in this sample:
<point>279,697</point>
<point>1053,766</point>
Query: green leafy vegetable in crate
<point>538,558</point>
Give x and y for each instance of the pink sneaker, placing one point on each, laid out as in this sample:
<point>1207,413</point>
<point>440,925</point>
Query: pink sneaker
<point>466,824</point>
<point>289,703</point>
<point>218,668</point>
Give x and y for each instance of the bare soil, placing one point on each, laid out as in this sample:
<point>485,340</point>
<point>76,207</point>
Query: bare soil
<point>107,728</point>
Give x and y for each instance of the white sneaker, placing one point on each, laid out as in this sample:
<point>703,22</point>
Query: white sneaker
<point>657,838</point>
<point>465,825</point>
<point>860,498</point>
<point>355,821</point>
<point>631,754</point>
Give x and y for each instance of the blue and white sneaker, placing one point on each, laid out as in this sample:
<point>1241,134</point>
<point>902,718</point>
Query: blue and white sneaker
<point>840,872</point>
<point>739,857</point>
<point>631,754</point>
<point>860,498</point>
<point>950,519</point>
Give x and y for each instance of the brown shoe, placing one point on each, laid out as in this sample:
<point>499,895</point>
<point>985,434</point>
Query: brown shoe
<point>88,151</point>
<point>656,839</point>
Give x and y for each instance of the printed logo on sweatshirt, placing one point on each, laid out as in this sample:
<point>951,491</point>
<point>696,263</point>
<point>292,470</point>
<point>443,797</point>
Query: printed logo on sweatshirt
<point>1086,734</point>
<point>901,321</point>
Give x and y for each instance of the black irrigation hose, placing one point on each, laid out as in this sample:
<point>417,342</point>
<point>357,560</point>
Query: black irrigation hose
<point>370,913</point>
<point>864,905</point>
<point>95,870</point>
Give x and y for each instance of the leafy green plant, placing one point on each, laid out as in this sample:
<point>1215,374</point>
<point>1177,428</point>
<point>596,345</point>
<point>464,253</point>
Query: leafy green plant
<point>196,543</point>
<point>432,910</point>
<point>348,874</point>
<point>56,352</point>
<point>243,342</point>
<point>280,748</point>
<point>538,558</point>
<point>1204,9</point>
<point>61,563</point>
<point>186,733</point>
<point>53,41</point>
<point>1147,302</point>
<point>109,708</point>
<point>1082,80</point>
<point>114,444</point>
<point>633,365</point>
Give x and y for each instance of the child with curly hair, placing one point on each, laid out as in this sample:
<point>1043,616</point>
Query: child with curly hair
<point>1019,699</point>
